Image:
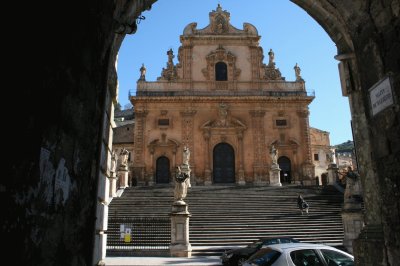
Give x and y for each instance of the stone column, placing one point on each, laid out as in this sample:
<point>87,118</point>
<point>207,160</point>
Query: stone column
<point>257,122</point>
<point>150,176</point>
<point>207,170</point>
<point>139,140</point>
<point>240,180</point>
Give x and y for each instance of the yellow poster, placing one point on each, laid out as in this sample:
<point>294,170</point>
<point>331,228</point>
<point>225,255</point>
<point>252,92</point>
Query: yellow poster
<point>127,238</point>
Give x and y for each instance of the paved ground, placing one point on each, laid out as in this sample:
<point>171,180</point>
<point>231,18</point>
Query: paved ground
<point>144,261</point>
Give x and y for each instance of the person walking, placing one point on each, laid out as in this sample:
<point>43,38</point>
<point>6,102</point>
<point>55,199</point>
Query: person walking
<point>302,204</point>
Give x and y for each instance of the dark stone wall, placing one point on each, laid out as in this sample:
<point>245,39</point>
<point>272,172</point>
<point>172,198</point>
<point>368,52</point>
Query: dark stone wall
<point>50,194</point>
<point>376,39</point>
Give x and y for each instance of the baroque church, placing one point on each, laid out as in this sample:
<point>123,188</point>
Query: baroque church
<point>227,106</point>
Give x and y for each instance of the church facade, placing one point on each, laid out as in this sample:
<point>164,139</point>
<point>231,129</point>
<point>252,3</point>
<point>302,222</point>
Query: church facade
<point>227,106</point>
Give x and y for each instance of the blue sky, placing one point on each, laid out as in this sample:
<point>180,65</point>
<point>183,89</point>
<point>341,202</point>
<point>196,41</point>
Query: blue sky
<point>283,26</point>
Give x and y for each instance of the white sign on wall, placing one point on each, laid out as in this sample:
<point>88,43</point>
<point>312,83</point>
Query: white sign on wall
<point>381,95</point>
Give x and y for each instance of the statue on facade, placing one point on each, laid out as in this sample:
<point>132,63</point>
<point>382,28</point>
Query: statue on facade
<point>274,155</point>
<point>297,71</point>
<point>171,56</point>
<point>223,115</point>
<point>170,72</point>
<point>142,73</point>
<point>271,55</point>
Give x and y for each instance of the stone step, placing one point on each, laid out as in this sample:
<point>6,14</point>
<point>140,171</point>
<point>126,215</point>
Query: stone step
<point>224,216</point>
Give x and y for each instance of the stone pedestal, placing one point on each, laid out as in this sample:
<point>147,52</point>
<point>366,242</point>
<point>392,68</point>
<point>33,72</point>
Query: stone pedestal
<point>332,173</point>
<point>353,222</point>
<point>207,175</point>
<point>274,175</point>
<point>241,181</point>
<point>352,216</point>
<point>123,178</point>
<point>180,246</point>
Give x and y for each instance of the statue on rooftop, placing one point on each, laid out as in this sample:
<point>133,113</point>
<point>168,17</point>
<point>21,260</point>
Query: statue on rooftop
<point>142,73</point>
<point>297,71</point>
<point>271,55</point>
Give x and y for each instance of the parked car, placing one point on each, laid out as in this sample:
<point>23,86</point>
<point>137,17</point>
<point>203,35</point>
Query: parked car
<point>300,254</point>
<point>237,256</point>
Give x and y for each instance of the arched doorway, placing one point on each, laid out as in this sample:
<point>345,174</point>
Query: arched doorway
<point>162,170</point>
<point>223,163</point>
<point>285,166</point>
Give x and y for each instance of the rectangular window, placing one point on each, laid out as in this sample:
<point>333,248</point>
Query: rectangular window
<point>316,157</point>
<point>281,122</point>
<point>163,122</point>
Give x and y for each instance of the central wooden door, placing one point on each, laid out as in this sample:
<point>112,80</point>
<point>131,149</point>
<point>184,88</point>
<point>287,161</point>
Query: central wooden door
<point>285,166</point>
<point>162,170</point>
<point>223,164</point>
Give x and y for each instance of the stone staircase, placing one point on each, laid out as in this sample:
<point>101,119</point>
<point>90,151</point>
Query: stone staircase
<point>225,217</point>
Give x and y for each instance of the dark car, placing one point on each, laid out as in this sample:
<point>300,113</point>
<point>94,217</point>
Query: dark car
<point>237,256</point>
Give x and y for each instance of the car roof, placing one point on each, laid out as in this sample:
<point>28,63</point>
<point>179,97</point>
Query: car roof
<point>275,237</point>
<point>293,246</point>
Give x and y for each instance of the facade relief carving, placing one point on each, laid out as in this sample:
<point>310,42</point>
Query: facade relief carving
<point>224,120</point>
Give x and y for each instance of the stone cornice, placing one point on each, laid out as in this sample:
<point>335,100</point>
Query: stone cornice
<point>269,99</point>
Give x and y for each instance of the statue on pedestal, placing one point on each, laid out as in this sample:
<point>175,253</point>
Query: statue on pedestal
<point>274,155</point>
<point>181,184</point>
<point>186,155</point>
<point>113,165</point>
<point>182,177</point>
<point>123,155</point>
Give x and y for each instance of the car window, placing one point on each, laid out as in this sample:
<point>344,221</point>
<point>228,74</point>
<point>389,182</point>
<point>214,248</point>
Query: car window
<point>264,257</point>
<point>287,240</point>
<point>271,241</point>
<point>255,244</point>
<point>305,257</point>
<point>335,258</point>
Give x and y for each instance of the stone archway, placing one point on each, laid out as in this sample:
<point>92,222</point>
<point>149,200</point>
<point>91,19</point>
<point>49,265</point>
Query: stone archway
<point>86,81</point>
